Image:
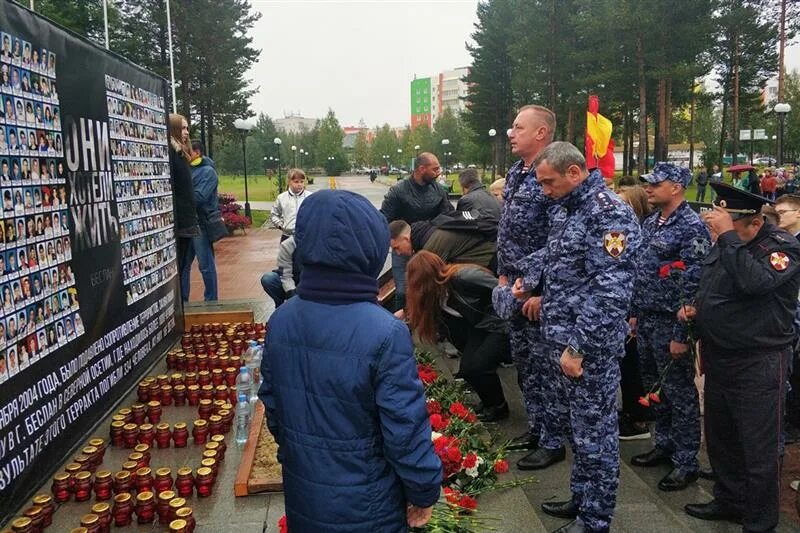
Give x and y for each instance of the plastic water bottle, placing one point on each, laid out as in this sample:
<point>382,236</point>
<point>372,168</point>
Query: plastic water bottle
<point>242,419</point>
<point>253,362</point>
<point>244,382</point>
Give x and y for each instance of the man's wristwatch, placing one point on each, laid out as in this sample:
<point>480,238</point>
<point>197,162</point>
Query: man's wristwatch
<point>573,353</point>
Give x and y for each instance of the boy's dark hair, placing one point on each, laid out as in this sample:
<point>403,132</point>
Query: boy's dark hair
<point>627,181</point>
<point>397,228</point>
<point>197,146</point>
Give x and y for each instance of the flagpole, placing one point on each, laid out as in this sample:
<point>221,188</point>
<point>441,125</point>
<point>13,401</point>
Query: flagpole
<point>105,18</point>
<point>171,63</point>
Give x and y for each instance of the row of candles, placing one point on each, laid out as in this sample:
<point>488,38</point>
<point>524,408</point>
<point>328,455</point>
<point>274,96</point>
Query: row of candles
<point>210,356</point>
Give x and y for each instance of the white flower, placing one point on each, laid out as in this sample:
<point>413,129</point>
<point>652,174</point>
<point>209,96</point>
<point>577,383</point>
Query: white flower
<point>435,435</point>
<point>472,472</point>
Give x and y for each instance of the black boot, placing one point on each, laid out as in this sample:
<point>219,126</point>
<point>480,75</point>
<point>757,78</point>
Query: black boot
<point>713,510</point>
<point>494,414</point>
<point>677,480</point>
<point>526,441</point>
<point>567,509</point>
<point>541,458</point>
<point>654,457</point>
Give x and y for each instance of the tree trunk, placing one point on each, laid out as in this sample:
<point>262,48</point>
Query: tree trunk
<point>625,131</point>
<point>551,53</point>
<point>691,126</point>
<point>725,96</point>
<point>211,131</point>
<point>667,116</point>
<point>659,149</point>
<point>203,128</point>
<point>642,157</point>
<point>570,133</point>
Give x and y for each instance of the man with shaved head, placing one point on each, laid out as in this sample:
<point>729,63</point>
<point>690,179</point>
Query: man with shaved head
<point>522,233</point>
<point>414,199</point>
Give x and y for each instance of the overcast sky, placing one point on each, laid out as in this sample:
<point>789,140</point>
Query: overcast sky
<point>359,56</point>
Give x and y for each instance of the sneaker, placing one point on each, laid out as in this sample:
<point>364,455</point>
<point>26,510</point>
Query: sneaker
<point>629,430</point>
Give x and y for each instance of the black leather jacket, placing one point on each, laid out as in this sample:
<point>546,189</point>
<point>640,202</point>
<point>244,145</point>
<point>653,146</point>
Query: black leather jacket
<point>411,202</point>
<point>470,293</point>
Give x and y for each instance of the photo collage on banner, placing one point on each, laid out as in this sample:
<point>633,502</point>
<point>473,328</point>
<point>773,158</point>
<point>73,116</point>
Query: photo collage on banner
<point>140,158</point>
<point>39,302</point>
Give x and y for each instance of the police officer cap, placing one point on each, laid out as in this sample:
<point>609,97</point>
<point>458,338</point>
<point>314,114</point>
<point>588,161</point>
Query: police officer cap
<point>737,202</point>
<point>668,171</point>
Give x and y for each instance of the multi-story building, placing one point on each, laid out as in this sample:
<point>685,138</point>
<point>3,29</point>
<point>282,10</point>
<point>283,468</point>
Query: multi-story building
<point>295,124</point>
<point>431,96</point>
<point>769,94</point>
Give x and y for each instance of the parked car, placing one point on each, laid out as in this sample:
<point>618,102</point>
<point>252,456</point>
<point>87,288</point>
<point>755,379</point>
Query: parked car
<point>765,160</point>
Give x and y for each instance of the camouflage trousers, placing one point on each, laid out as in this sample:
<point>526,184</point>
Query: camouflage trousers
<point>594,435</point>
<point>677,427</point>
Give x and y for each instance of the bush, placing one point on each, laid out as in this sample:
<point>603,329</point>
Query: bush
<point>230,213</point>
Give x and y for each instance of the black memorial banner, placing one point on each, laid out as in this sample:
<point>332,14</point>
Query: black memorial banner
<point>88,275</point>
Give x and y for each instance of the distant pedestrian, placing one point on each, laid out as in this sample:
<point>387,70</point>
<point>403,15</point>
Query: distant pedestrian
<point>702,181</point>
<point>284,211</point>
<point>418,198</point>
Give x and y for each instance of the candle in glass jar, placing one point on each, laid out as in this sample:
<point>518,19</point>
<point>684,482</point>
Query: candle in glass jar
<point>131,466</point>
<point>204,377</point>
<point>178,526</point>
<point>166,394</point>
<point>147,433</point>
<point>180,361</point>
<point>200,431</point>
<point>83,486</point>
<point>145,507</point>
<point>220,439</point>
<point>202,362</point>
<point>204,482</point>
<point>131,435</point>
<point>101,446</point>
<point>116,433</point>
<point>164,511</point>
<point>190,378</point>
<point>103,512</point>
<point>139,412</point>
<point>91,522</point>
<point>138,458</point>
<point>205,409</point>
<point>176,379</point>
<point>103,485</point>
<point>163,481</point>
<point>126,414</point>
<point>212,464</point>
<point>184,483</point>
<point>207,392</point>
<point>45,503</point>
<point>123,509</point>
<point>92,458</point>
<point>193,394</point>
<point>185,513</point>
<point>22,525</point>
<point>143,449</point>
<point>221,392</point>
<point>180,435</point>
<point>123,482</point>
<point>214,447</point>
<point>179,395</point>
<point>175,504</point>
<point>60,487</point>
<point>163,435</point>
<point>154,411</point>
<point>144,480</point>
<point>215,425</point>
<point>36,517</point>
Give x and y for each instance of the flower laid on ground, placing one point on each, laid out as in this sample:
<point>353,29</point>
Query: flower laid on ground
<point>471,458</point>
<point>282,527</point>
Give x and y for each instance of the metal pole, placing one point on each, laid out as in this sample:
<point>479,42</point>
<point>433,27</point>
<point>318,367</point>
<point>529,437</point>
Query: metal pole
<point>280,181</point>
<point>247,211</point>
<point>781,117</point>
<point>171,63</point>
<point>105,18</point>
<point>494,159</point>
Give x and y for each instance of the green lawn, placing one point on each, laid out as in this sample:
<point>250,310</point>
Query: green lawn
<point>259,188</point>
<point>259,217</point>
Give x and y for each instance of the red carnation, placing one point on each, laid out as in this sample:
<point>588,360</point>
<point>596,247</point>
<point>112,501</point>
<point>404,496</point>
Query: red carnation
<point>654,397</point>
<point>663,272</point>
<point>471,418</point>
<point>501,466</point>
<point>433,407</point>
<point>438,422</point>
<point>468,502</point>
<point>282,526</point>
<point>470,460</point>
<point>458,409</point>
<point>452,496</point>
<point>644,401</point>
<point>680,265</point>
<point>441,443</point>
<point>454,454</point>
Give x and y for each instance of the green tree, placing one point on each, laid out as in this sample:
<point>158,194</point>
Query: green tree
<point>791,141</point>
<point>361,156</point>
<point>329,146</point>
<point>384,144</point>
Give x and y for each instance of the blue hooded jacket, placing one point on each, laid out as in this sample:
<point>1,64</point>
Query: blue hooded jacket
<point>341,390</point>
<point>205,182</point>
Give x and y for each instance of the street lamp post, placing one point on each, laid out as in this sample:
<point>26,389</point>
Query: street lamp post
<point>278,141</point>
<point>781,109</point>
<point>244,126</point>
<point>492,134</point>
<point>301,158</point>
<point>294,155</point>
<point>445,143</point>
<point>416,150</point>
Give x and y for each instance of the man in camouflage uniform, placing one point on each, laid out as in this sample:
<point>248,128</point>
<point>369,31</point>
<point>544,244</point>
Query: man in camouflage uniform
<point>521,232</point>
<point>672,233</point>
<point>588,275</point>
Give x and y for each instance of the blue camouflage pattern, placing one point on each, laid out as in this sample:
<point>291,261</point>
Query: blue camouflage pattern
<point>656,300</point>
<point>588,275</point>
<point>587,290</point>
<point>682,237</point>
<point>668,171</point>
<point>677,416</point>
<point>523,225</point>
<point>522,230</point>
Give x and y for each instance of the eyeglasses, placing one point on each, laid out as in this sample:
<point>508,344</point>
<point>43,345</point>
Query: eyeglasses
<point>784,211</point>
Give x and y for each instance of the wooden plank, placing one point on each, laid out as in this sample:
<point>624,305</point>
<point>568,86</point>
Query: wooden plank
<point>192,318</point>
<point>249,454</point>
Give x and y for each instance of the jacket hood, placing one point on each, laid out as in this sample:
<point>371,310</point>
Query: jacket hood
<point>341,230</point>
<point>205,162</point>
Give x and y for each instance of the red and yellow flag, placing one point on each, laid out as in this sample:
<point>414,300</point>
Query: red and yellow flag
<point>599,144</point>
